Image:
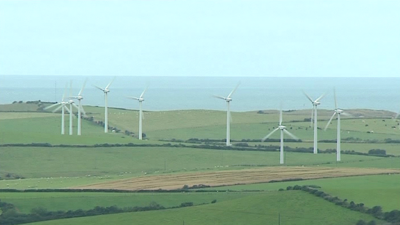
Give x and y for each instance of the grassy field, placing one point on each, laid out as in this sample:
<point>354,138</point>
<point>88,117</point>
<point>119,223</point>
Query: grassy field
<point>39,162</point>
<point>75,200</point>
<point>69,167</point>
<point>371,190</point>
<point>294,207</point>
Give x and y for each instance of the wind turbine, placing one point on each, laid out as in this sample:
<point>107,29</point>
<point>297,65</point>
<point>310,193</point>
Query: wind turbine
<point>228,99</point>
<point>315,103</point>
<point>71,103</point>
<point>79,97</point>
<point>337,112</point>
<point>283,130</point>
<point>63,106</point>
<point>140,100</point>
<point>105,90</point>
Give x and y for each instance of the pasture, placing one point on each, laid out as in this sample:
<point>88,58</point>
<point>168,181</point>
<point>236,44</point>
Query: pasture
<point>372,190</point>
<point>45,162</point>
<point>92,165</point>
<point>263,208</point>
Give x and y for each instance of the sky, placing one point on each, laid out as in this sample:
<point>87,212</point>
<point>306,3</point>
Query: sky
<point>276,38</point>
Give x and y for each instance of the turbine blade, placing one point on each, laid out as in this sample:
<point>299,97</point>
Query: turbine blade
<point>58,108</point>
<point>74,105</point>
<point>290,134</point>
<point>320,97</point>
<point>268,135</point>
<point>70,88</point>
<point>330,120</point>
<point>110,83</point>
<point>65,91</point>
<point>280,117</point>
<point>83,111</point>
<point>346,114</point>
<point>334,94</point>
<point>312,116</point>
<point>309,98</point>
<point>83,86</point>
<point>132,98</point>
<point>141,96</point>
<point>233,91</point>
<point>217,96</point>
<point>51,106</point>
<point>98,88</point>
<point>66,108</point>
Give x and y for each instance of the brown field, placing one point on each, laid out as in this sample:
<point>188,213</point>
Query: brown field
<point>233,177</point>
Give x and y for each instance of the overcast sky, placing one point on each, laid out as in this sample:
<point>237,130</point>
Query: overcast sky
<point>285,38</point>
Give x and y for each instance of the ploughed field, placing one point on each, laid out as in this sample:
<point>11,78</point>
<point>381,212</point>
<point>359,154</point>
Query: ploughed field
<point>233,177</point>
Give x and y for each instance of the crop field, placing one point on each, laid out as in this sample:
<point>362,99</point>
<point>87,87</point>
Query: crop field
<point>223,178</point>
<point>257,209</point>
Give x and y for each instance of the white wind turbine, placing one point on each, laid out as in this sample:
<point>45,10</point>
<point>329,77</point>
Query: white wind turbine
<point>79,97</point>
<point>71,103</point>
<point>337,112</point>
<point>315,103</point>
<point>140,100</point>
<point>283,130</point>
<point>105,90</point>
<point>63,106</point>
<point>228,99</point>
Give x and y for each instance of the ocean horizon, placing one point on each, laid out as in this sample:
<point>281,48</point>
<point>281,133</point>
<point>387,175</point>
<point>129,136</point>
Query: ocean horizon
<point>185,93</point>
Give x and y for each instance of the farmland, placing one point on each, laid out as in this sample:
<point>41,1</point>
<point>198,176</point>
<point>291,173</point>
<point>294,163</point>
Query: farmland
<point>34,156</point>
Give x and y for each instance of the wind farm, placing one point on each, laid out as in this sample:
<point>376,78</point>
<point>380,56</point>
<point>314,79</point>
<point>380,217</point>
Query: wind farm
<point>188,151</point>
<point>199,112</point>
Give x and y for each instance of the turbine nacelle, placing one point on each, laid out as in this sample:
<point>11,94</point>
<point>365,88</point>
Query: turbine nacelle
<point>282,127</point>
<point>339,111</point>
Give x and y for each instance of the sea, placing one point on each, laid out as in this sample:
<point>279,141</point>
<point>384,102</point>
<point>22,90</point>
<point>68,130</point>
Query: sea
<point>180,93</point>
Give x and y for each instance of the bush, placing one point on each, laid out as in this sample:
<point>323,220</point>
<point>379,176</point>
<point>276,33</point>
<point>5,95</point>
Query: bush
<point>187,204</point>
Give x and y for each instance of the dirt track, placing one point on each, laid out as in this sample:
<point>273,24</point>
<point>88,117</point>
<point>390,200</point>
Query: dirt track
<point>233,177</point>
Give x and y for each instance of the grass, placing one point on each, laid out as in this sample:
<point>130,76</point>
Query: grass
<point>39,162</point>
<point>75,200</point>
<point>68,167</point>
<point>371,190</point>
<point>293,207</point>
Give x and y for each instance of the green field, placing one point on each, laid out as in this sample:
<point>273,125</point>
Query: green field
<point>294,207</point>
<point>39,162</point>
<point>76,200</point>
<point>373,190</point>
<point>69,166</point>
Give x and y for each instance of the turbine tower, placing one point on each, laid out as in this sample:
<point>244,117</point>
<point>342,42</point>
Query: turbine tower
<point>315,103</point>
<point>105,90</point>
<point>79,97</point>
<point>63,106</point>
<point>71,103</point>
<point>283,130</point>
<point>337,112</point>
<point>140,100</point>
<point>228,99</point>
